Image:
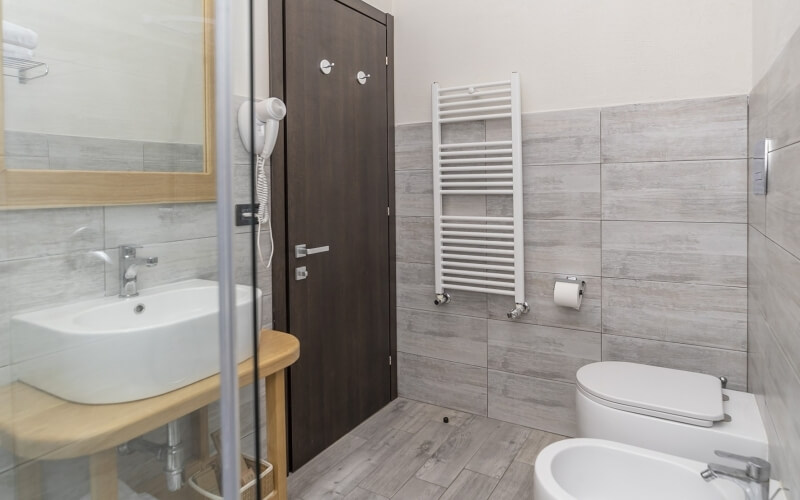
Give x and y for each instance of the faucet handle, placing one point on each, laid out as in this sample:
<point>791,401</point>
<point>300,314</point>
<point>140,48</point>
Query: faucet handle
<point>756,468</point>
<point>127,250</point>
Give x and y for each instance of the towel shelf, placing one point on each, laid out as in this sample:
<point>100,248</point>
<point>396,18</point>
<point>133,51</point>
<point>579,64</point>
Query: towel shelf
<point>24,70</point>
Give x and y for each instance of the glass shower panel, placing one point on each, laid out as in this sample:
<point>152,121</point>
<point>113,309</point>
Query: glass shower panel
<point>109,303</point>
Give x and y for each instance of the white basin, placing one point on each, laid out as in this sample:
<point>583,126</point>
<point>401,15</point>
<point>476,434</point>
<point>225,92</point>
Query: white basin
<point>113,350</point>
<point>595,469</point>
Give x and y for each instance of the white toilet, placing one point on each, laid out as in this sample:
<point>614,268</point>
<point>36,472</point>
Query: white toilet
<point>672,411</point>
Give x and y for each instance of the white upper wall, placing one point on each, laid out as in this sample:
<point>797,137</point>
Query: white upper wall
<point>576,54</point>
<point>384,5</point>
<point>241,48</point>
<point>774,23</point>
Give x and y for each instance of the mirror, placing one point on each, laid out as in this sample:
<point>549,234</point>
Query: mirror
<point>110,103</point>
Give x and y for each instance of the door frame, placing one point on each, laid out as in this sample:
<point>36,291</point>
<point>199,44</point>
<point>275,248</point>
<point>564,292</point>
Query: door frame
<point>280,276</point>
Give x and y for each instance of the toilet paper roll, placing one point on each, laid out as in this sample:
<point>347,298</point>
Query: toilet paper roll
<point>568,294</point>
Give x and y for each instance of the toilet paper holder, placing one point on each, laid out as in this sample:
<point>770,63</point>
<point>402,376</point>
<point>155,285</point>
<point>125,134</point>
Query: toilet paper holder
<point>573,279</point>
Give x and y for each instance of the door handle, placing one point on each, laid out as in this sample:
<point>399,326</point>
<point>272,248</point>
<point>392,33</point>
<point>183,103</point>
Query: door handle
<point>302,251</point>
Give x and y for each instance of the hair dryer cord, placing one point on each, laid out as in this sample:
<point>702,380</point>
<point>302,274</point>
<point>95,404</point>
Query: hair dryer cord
<point>263,215</point>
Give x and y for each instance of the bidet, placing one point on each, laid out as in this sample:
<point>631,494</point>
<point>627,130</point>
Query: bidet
<point>582,468</point>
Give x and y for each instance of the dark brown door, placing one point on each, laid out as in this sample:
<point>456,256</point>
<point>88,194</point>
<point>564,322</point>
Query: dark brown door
<point>337,196</point>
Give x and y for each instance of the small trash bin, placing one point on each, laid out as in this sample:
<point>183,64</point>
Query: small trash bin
<point>204,482</point>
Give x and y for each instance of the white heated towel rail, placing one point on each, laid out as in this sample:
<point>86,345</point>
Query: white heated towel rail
<point>479,254</point>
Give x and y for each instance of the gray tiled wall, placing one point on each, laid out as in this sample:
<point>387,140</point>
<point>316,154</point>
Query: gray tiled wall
<point>647,203</point>
<point>29,150</point>
<point>53,256</point>
<point>774,264</point>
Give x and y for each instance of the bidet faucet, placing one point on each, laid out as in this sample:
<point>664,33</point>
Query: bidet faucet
<point>754,478</point>
<point>128,269</point>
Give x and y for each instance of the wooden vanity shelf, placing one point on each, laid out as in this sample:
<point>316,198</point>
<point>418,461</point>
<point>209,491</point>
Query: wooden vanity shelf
<point>36,426</point>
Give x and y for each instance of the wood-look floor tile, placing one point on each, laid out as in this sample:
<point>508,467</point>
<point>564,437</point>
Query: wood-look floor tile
<point>362,494</point>
<point>499,450</point>
<point>470,485</point>
<point>517,483</point>
<point>401,465</point>
<point>454,454</point>
<point>319,465</point>
<point>345,476</point>
<point>536,442</point>
<point>417,489</point>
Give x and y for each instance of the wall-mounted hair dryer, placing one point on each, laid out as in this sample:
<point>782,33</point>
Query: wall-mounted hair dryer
<point>268,114</point>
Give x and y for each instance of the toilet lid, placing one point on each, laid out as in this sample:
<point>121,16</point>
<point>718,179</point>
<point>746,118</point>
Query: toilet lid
<point>664,392</point>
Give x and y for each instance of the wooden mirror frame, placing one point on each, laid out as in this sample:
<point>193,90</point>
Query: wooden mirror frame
<point>65,188</point>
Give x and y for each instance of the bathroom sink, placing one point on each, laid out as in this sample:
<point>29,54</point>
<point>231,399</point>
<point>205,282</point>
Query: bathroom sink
<point>114,350</point>
<point>595,469</point>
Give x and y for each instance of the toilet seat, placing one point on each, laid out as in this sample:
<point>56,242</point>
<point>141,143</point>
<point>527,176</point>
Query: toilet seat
<point>676,395</point>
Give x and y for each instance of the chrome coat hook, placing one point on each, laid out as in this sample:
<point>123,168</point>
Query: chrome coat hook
<point>362,77</point>
<point>326,66</point>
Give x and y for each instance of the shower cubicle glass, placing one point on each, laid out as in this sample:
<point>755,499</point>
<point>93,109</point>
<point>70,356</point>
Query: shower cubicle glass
<point>119,171</point>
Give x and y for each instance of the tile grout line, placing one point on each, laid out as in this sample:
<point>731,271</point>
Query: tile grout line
<point>602,219</point>
<point>747,250</point>
<point>602,277</point>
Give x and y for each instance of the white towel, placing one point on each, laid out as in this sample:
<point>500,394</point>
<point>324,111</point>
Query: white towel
<point>17,35</point>
<point>10,50</point>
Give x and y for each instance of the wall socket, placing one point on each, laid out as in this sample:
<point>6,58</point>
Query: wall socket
<point>246,214</point>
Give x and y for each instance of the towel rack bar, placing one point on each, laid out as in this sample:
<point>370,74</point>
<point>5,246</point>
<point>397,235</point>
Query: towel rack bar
<point>478,109</point>
<point>488,239</point>
<point>467,102</point>
<point>477,152</point>
<point>478,191</point>
<point>479,258</point>
<point>476,86</point>
<point>478,243</point>
<point>474,144</point>
<point>462,161</point>
<point>479,274</point>
<point>472,118</point>
<point>475,234</point>
<point>494,251</point>
<point>501,284</point>
<point>451,225</point>
<point>477,218</point>
<point>469,168</point>
<point>470,265</point>
<point>462,95</point>
<point>475,184</point>
<point>447,177</point>
<point>480,290</point>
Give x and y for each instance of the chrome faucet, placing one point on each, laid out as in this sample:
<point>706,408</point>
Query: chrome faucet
<point>128,267</point>
<point>754,478</point>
